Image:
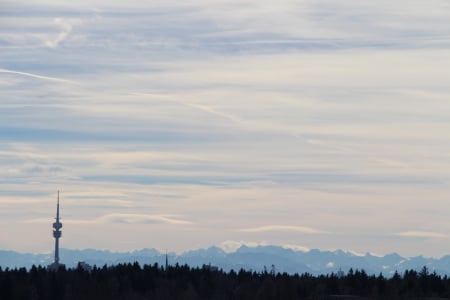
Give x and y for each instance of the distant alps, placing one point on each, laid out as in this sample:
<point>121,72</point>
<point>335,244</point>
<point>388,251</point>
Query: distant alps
<point>256,258</point>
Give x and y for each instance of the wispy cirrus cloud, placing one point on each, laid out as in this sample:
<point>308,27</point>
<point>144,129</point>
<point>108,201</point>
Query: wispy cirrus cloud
<point>142,219</point>
<point>423,235</point>
<point>66,29</point>
<point>288,228</point>
<point>125,218</point>
<point>38,76</point>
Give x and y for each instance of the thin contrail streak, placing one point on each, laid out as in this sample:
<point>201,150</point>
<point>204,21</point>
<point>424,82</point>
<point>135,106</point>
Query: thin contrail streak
<point>38,76</point>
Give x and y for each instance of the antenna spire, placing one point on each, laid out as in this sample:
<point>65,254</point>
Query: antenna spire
<point>57,209</point>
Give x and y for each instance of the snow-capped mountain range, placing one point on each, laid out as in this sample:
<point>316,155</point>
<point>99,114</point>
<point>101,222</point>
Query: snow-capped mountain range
<point>258,258</point>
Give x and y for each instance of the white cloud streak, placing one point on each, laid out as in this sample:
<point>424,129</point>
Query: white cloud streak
<point>122,218</point>
<point>38,76</point>
<point>289,228</point>
<point>423,235</point>
<point>66,29</point>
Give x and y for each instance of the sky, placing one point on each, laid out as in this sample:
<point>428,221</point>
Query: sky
<point>185,124</point>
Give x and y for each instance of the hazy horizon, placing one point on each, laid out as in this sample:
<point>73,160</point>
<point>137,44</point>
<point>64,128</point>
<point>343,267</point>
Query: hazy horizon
<point>227,247</point>
<point>314,124</point>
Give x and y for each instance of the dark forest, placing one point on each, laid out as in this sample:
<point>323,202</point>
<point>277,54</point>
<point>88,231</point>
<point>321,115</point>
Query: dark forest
<point>133,281</point>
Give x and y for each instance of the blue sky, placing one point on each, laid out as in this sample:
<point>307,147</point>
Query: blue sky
<point>309,124</point>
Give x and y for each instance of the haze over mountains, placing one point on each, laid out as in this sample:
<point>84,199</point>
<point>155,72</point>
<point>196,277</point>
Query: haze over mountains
<point>257,258</point>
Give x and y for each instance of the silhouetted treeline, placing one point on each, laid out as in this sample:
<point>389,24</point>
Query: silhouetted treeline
<point>131,281</point>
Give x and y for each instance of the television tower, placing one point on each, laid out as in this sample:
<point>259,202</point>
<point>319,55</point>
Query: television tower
<point>57,235</point>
